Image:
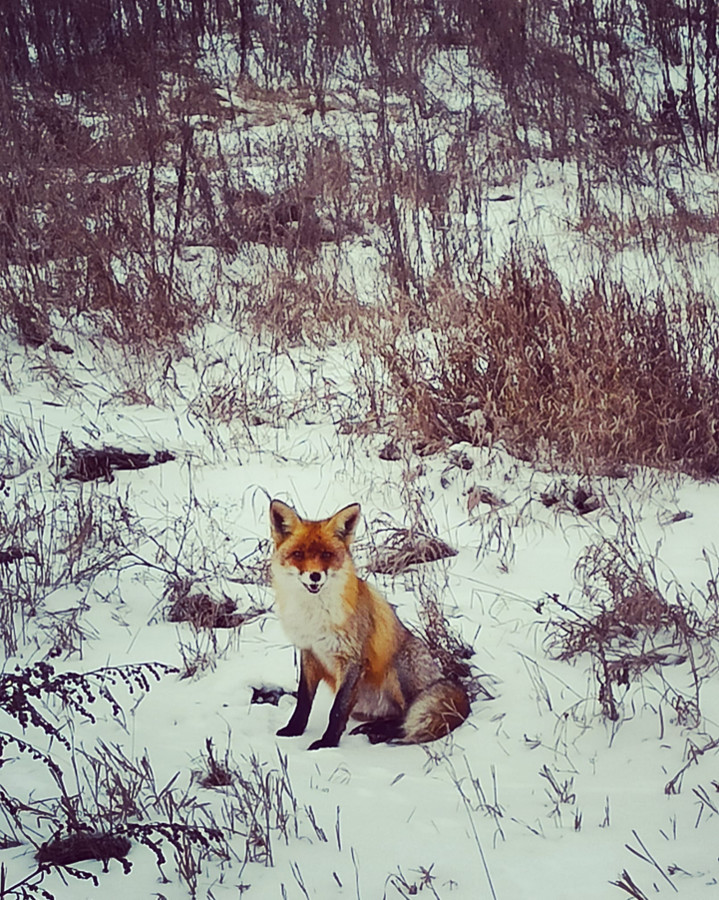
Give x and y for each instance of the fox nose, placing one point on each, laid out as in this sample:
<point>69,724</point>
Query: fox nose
<point>315,576</point>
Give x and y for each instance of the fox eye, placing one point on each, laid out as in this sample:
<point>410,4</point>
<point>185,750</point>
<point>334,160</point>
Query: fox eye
<point>297,554</point>
<point>326,555</point>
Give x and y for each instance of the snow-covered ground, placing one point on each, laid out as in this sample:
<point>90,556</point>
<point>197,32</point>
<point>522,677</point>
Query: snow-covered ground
<point>539,794</point>
<point>536,795</point>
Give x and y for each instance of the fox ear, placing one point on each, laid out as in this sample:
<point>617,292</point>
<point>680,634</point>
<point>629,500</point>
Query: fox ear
<point>283,521</point>
<point>345,521</point>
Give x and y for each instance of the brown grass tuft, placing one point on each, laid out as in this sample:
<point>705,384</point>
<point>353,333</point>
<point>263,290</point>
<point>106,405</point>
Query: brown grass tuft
<point>597,379</point>
<point>305,308</point>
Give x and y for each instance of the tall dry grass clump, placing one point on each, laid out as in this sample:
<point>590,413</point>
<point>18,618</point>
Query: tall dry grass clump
<point>598,378</point>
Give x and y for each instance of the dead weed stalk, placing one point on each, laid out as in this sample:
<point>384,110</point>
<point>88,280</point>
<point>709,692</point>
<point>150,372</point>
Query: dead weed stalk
<point>631,625</point>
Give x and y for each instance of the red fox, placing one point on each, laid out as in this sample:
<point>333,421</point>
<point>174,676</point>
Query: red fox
<point>350,636</point>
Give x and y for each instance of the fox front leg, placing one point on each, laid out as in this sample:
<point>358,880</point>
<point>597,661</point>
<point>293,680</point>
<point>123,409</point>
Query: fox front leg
<point>341,708</point>
<point>310,674</point>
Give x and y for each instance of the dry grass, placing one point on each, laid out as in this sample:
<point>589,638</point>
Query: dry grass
<point>86,226</point>
<point>106,183</point>
<point>631,626</point>
<point>119,161</point>
<point>188,602</point>
<point>78,232</point>
<point>103,188</point>
<point>597,379</point>
<point>50,541</point>
<point>652,231</point>
<point>303,308</point>
<point>404,548</point>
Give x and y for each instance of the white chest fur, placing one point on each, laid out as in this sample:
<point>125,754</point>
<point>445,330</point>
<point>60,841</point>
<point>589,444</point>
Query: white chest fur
<point>312,621</point>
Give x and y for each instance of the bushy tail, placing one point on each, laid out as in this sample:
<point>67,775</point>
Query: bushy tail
<point>435,712</point>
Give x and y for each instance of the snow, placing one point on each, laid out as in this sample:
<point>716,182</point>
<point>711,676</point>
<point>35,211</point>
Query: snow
<point>537,794</point>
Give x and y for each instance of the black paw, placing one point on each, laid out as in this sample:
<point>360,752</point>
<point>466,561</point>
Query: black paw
<point>322,742</point>
<point>290,731</point>
<point>381,730</point>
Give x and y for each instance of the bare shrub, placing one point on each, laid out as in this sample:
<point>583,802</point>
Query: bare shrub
<point>51,543</point>
<point>109,801</point>
<point>87,226</point>
<point>67,43</point>
<point>629,626</point>
<point>652,232</point>
<point>286,219</point>
<point>77,251</point>
<point>23,692</point>
<point>106,183</point>
<point>313,209</point>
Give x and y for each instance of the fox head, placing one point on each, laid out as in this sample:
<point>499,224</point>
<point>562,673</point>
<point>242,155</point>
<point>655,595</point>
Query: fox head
<point>312,551</point>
